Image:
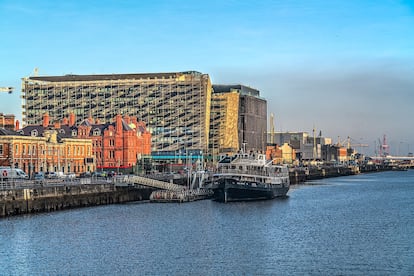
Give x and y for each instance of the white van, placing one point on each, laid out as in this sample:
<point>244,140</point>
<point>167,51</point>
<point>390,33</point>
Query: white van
<point>11,173</point>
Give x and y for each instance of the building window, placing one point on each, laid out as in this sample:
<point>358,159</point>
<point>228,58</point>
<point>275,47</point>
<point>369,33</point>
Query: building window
<point>34,133</point>
<point>74,133</point>
<point>1,149</point>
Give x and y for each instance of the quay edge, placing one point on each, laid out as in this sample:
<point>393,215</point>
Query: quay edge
<point>300,175</point>
<point>48,199</point>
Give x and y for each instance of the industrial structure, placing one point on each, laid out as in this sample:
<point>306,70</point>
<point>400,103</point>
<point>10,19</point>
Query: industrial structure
<point>175,106</point>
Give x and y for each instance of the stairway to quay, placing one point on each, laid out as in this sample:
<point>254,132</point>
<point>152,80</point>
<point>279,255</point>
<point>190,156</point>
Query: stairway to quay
<point>169,192</point>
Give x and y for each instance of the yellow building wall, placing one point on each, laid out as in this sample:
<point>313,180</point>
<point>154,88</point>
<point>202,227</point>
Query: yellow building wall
<point>230,126</point>
<point>225,121</point>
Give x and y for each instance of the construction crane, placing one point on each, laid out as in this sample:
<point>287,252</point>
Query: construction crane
<point>272,128</point>
<point>349,145</point>
<point>8,89</point>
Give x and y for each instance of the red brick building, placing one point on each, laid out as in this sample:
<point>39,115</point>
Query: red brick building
<point>115,145</point>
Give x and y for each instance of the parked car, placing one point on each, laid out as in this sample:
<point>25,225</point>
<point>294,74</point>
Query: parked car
<point>111,174</point>
<point>39,177</point>
<point>85,174</point>
<point>70,176</point>
<point>99,174</point>
<point>51,175</point>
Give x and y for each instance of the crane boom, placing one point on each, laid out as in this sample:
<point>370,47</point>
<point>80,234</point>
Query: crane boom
<point>7,89</point>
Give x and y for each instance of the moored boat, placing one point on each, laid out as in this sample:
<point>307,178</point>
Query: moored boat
<point>245,177</point>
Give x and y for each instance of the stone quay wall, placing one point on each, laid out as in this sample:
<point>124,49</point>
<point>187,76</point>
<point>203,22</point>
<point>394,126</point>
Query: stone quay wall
<point>48,199</point>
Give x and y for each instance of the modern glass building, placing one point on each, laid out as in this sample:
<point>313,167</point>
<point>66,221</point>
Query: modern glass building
<point>175,106</point>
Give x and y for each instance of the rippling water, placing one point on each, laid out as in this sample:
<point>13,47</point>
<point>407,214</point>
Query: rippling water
<point>356,225</point>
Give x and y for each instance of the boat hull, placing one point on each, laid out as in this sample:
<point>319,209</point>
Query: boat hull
<point>228,190</point>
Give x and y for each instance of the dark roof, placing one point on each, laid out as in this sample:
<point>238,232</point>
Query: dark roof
<point>8,132</point>
<point>112,76</point>
<point>65,131</point>
<point>27,130</point>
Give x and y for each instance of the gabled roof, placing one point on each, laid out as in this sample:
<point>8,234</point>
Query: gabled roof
<point>125,126</point>
<point>85,123</point>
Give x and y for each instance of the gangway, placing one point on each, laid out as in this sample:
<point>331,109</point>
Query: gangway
<point>133,179</point>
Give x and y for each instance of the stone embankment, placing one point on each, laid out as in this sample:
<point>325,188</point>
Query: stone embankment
<point>303,174</point>
<point>47,199</point>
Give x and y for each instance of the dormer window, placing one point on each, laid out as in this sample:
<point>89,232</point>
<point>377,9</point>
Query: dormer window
<point>96,132</point>
<point>61,131</point>
<point>34,133</point>
<point>74,132</point>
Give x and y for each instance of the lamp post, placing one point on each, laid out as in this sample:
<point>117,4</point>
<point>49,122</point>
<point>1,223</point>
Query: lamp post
<point>119,164</point>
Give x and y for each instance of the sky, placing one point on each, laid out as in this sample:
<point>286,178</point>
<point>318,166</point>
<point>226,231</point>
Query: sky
<point>343,68</point>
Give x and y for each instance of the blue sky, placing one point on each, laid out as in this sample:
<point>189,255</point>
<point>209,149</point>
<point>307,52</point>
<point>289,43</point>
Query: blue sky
<point>343,67</point>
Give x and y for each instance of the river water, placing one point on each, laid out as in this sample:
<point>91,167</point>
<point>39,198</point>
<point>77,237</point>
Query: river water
<point>354,225</point>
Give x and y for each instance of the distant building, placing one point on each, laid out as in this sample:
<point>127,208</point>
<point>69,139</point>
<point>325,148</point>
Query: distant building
<point>114,145</point>
<point>238,119</point>
<point>175,106</point>
<point>7,121</point>
<point>306,147</point>
<point>284,154</point>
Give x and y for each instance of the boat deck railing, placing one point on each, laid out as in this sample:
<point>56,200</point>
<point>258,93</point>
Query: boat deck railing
<point>252,172</point>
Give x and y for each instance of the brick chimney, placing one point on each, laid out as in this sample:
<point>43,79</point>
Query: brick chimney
<point>90,119</point>
<point>17,126</point>
<point>65,121</point>
<point>46,119</point>
<point>72,119</point>
<point>118,123</point>
<point>56,125</point>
